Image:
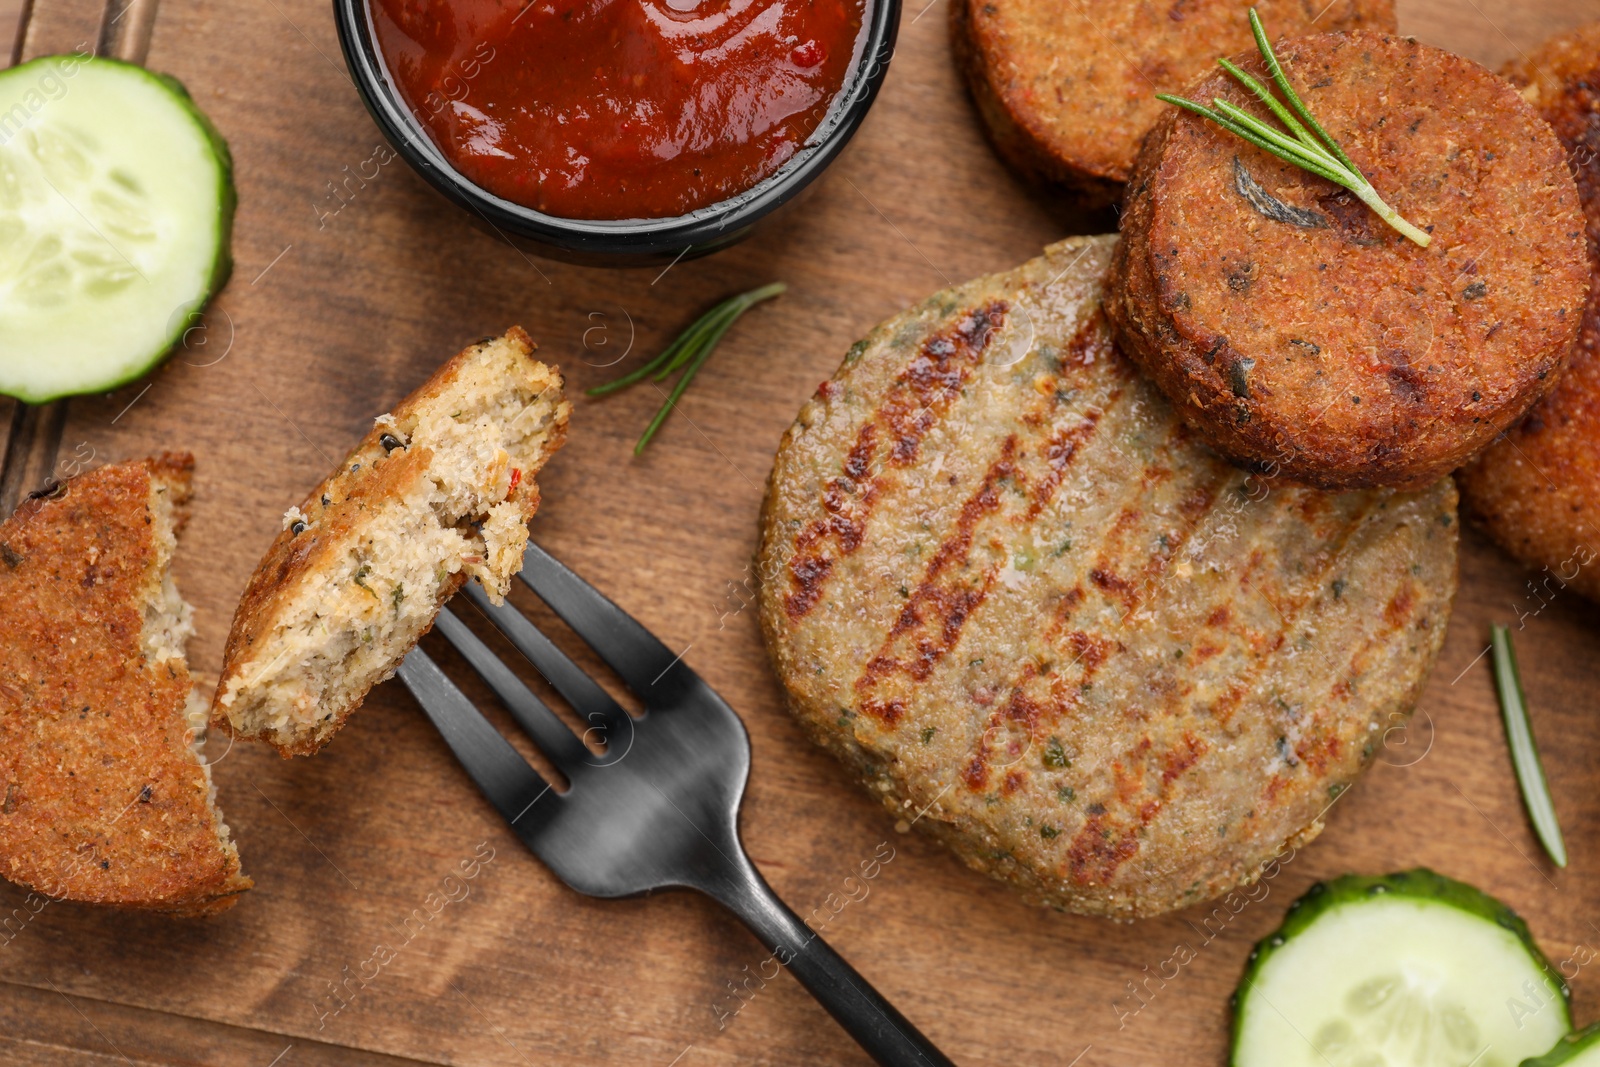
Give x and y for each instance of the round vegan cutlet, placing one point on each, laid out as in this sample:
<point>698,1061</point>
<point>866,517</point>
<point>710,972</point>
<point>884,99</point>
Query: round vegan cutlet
<point>1298,332</point>
<point>1538,490</point>
<point>1010,589</point>
<point>1067,88</point>
<point>104,800</point>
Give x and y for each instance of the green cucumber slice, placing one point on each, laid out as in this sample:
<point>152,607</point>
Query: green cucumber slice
<point>116,205</point>
<point>1404,970</point>
<point>1580,1048</point>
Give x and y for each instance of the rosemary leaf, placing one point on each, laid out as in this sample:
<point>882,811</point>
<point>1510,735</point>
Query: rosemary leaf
<point>1312,149</point>
<point>1264,94</point>
<point>1190,105</point>
<point>665,409</point>
<point>1310,156</point>
<point>1524,750</point>
<point>1281,80</point>
<point>713,324</point>
<point>687,352</point>
<point>694,357</point>
<point>1242,132</point>
<point>664,360</point>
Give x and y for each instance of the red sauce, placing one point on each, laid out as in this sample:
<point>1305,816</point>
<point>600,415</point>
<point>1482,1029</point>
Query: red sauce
<point>616,109</point>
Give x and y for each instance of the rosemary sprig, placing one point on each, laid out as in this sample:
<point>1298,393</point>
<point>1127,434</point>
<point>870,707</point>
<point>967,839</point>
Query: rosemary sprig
<point>1524,751</point>
<point>1312,150</point>
<point>688,352</point>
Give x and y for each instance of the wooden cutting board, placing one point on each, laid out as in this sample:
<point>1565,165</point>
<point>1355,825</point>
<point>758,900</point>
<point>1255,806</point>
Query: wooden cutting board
<point>347,292</point>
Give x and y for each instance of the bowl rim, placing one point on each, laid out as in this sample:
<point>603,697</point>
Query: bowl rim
<point>703,229</point>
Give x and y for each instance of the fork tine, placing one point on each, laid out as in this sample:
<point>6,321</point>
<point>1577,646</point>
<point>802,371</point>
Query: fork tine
<point>592,703</point>
<point>537,721</point>
<point>644,664</point>
<point>511,785</point>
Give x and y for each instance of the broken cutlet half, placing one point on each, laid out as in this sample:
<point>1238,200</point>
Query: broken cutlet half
<point>105,799</point>
<point>439,491</point>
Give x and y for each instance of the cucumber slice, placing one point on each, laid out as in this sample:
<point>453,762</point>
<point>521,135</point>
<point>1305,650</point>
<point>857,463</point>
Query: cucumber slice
<point>1578,1049</point>
<point>116,204</point>
<point>1405,970</point>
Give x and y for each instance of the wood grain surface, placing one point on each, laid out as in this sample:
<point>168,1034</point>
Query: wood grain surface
<point>10,22</point>
<point>347,292</point>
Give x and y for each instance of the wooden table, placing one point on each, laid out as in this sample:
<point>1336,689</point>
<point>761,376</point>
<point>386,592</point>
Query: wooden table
<point>10,19</point>
<point>330,317</point>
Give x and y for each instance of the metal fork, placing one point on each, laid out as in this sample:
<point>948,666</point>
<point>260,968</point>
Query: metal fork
<point>660,808</point>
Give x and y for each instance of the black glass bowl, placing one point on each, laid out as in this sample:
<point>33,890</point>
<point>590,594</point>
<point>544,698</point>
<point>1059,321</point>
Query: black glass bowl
<point>625,242</point>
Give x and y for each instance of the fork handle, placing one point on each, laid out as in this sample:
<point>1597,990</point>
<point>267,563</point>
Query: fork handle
<point>882,1031</point>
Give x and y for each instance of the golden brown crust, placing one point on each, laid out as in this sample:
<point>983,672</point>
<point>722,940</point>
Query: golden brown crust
<point>334,515</point>
<point>1329,348</point>
<point>104,800</point>
<point>1066,88</point>
<point>1537,489</point>
<point>1006,130</point>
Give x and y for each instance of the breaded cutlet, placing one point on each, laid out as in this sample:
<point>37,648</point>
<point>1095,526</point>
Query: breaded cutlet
<point>1537,488</point>
<point>105,799</point>
<point>1301,336</point>
<point>1067,91</point>
<point>439,490</point>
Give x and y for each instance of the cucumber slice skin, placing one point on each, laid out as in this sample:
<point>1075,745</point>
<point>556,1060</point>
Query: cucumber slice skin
<point>1420,884</point>
<point>227,192</point>
<point>1581,1048</point>
<point>227,203</point>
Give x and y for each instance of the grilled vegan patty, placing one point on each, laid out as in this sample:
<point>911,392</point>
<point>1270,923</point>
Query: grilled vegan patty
<point>1067,89</point>
<point>1299,333</point>
<point>1538,490</point>
<point>105,799</point>
<point>1003,582</point>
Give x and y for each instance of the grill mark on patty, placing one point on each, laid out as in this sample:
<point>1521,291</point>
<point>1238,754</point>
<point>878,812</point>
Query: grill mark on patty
<point>808,573</point>
<point>1089,345</point>
<point>836,499</point>
<point>1398,610</point>
<point>935,376</point>
<point>1089,650</point>
<point>1314,583</point>
<point>920,395</point>
<point>1098,850</point>
<point>1288,621</point>
<point>1397,621</point>
<point>1318,749</point>
<point>934,606</point>
<point>1105,842</point>
<point>1059,452</point>
<point>952,608</point>
<point>1176,762</point>
<point>976,773</point>
<point>1193,508</point>
<point>844,518</point>
<point>1018,708</point>
<point>1312,750</point>
<point>1108,580</point>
